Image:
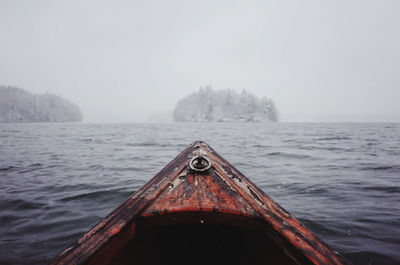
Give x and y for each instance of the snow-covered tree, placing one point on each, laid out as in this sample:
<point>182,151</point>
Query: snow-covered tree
<point>225,105</point>
<point>18,105</point>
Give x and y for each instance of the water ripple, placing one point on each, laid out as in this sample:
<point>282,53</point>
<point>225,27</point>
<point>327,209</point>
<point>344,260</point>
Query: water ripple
<point>341,180</point>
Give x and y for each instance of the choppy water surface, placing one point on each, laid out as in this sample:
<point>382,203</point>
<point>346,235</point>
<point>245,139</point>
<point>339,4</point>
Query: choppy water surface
<point>341,180</point>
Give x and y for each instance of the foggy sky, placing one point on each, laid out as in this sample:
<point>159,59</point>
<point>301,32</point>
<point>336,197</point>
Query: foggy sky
<point>123,60</point>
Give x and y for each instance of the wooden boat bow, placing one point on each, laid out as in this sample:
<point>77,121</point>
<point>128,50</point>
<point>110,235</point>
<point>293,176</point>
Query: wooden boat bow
<point>201,197</point>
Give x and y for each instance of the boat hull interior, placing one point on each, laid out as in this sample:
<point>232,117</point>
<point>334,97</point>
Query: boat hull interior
<point>205,238</point>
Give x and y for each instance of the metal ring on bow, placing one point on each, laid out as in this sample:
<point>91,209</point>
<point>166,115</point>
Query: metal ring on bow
<point>200,164</point>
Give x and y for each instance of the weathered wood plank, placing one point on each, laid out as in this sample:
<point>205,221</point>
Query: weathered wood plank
<point>184,193</point>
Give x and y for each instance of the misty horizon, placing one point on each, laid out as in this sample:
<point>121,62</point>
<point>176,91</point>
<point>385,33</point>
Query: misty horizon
<point>133,61</point>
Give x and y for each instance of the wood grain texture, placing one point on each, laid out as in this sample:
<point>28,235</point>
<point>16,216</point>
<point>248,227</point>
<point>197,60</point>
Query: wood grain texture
<point>220,192</point>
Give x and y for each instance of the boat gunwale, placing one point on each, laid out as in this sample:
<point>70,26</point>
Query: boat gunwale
<point>93,245</point>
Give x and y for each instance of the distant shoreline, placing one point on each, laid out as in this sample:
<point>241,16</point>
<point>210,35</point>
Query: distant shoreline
<point>208,105</point>
<point>21,106</point>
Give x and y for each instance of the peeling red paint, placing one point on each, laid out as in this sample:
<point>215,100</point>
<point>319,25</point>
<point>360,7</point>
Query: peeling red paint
<point>179,196</point>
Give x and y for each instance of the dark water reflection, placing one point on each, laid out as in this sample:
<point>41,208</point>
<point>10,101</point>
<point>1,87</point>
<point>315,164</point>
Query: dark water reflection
<point>341,180</point>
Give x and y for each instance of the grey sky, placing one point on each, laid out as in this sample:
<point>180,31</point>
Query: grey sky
<point>123,60</point>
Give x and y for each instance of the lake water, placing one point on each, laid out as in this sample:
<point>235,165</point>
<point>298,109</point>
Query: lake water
<point>340,180</point>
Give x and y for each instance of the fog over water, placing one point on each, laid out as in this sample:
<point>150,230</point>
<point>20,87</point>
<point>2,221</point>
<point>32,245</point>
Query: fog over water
<point>122,61</point>
<point>328,69</point>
